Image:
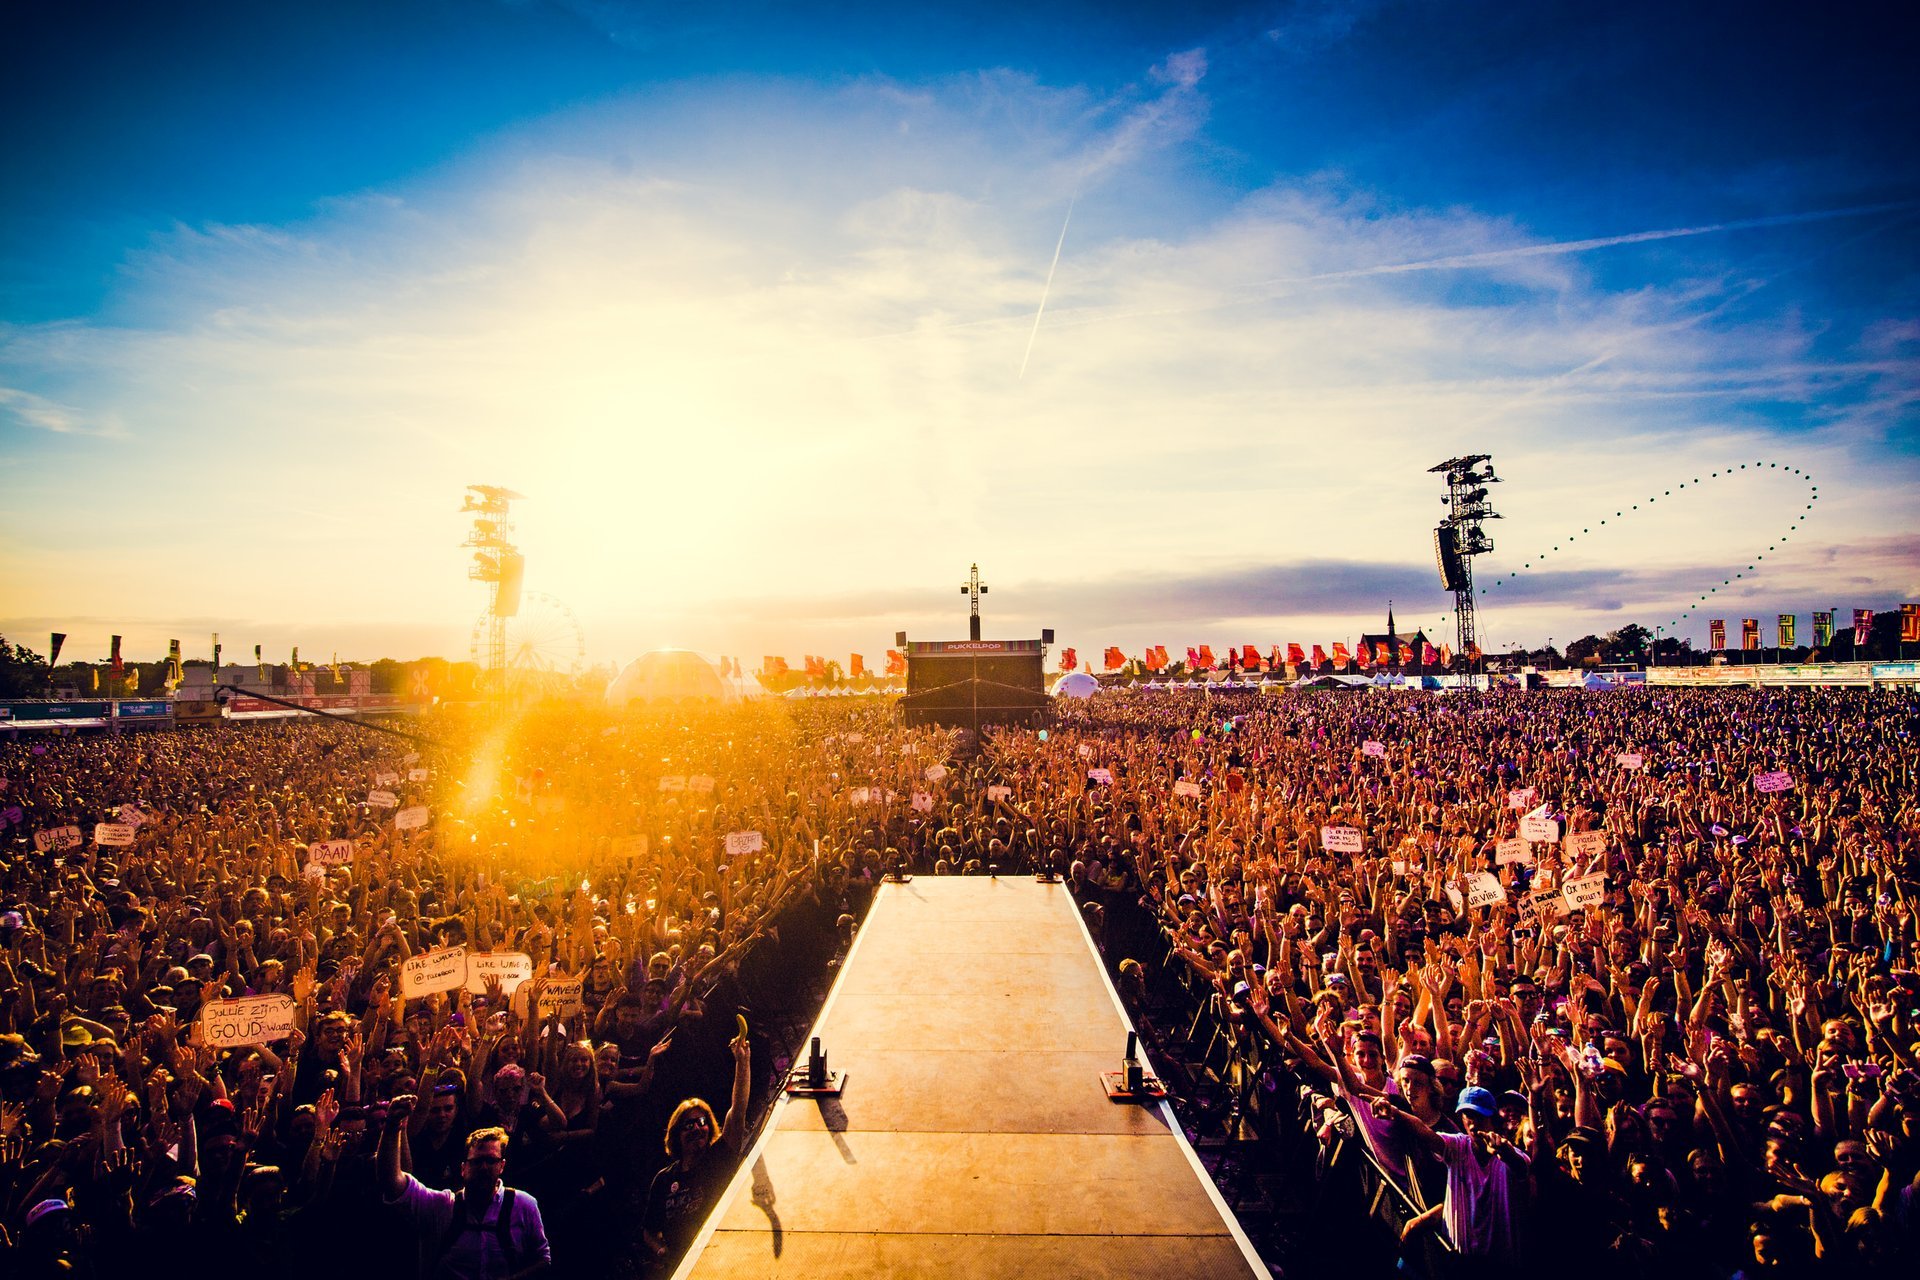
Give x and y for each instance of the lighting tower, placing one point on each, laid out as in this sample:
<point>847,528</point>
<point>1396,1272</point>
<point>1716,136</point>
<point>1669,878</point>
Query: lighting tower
<point>975,588</point>
<point>499,564</point>
<point>1459,537</point>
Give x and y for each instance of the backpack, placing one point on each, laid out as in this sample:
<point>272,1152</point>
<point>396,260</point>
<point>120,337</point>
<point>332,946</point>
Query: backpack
<point>460,1224</point>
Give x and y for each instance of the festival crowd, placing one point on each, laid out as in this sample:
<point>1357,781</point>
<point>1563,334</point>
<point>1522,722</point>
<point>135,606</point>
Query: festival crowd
<point>1587,994</point>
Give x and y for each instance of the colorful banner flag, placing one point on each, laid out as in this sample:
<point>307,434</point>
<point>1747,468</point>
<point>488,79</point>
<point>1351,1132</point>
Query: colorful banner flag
<point>856,666</point>
<point>1363,655</point>
<point>1787,627</point>
<point>1250,658</point>
<point>1069,659</point>
<point>1340,658</point>
<point>1717,633</point>
<point>1158,660</point>
<point>1910,624</point>
<point>1822,630</point>
<point>1429,656</point>
<point>260,662</point>
<point>1862,626</point>
<point>896,663</point>
<point>1319,657</point>
<point>59,638</point>
<point>1446,655</point>
<point>1193,658</point>
<point>173,665</point>
<point>1406,653</point>
<point>1206,658</point>
<point>115,665</point>
<point>1473,653</point>
<point>1295,656</point>
<point>1115,659</point>
<point>1749,633</point>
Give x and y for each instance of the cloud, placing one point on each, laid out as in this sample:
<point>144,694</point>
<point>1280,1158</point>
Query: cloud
<point>42,414</point>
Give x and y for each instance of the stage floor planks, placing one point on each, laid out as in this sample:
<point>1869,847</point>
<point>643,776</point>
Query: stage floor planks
<point>972,1019</point>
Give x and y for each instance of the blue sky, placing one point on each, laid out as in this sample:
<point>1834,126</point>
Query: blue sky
<point>746,299</point>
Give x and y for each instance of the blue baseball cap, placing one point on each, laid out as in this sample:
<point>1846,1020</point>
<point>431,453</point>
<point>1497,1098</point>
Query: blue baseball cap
<point>1479,1101</point>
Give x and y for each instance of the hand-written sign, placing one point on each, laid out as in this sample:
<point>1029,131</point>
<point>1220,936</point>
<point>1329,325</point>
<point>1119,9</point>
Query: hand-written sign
<point>1485,890</point>
<point>412,818</point>
<point>114,834</point>
<point>1085,751</point>
<point>739,842</point>
<point>629,847</point>
<point>922,801</point>
<point>1519,797</point>
<point>412,757</point>
<point>432,971</point>
<point>57,838</point>
<point>935,772</point>
<point>701,782</point>
<point>997,793</point>
<point>1187,787</point>
<point>385,779</point>
<point>1630,760</point>
<point>1778,780</point>
<point>1374,749</point>
<point>383,800</point>
<point>251,1021</point>
<point>1585,891</point>
<point>1585,844</point>
<point>562,997</point>
<point>860,795</point>
<point>1342,840</point>
<point>330,853</point>
<point>510,968</point>
<point>132,815</point>
<point>416,775</point>
<point>674,782</point>
<point>1511,851</point>
<point>1102,776</point>
<point>1540,829</point>
<point>1547,905</point>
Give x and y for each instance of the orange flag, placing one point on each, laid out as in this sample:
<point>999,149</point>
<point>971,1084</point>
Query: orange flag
<point>1340,658</point>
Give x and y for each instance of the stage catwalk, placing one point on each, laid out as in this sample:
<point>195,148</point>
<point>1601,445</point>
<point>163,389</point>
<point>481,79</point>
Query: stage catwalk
<point>973,1020</point>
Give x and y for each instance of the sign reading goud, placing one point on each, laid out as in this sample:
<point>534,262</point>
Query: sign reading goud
<point>252,1020</point>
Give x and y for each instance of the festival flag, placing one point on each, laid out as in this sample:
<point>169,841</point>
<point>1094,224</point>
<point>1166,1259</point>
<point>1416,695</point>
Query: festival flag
<point>1429,656</point>
<point>1250,658</point>
<point>173,665</point>
<point>115,666</point>
<point>1158,658</point>
<point>1340,658</point>
<point>1276,660</point>
<point>1716,633</point>
<point>260,662</point>
<point>1446,655</point>
<point>1363,655</point>
<point>1069,659</point>
<point>1473,653</point>
<point>59,638</point>
<point>1406,653</point>
<point>1295,656</point>
<point>96,679</point>
<point>1910,624</point>
<point>856,666</point>
<point>816,665</point>
<point>1862,626</point>
<point>1786,630</point>
<point>1749,633</point>
<point>1193,658</point>
<point>1822,630</point>
<point>216,657</point>
<point>1115,658</point>
<point>1319,657</point>
<point>896,663</point>
<point>1206,658</point>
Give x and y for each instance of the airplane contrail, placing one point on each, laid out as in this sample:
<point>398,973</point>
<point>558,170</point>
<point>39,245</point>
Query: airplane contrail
<point>1046,289</point>
<point>1463,260</point>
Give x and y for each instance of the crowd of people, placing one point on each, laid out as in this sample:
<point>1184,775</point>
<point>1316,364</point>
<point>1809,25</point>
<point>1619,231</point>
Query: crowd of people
<point>1599,979</point>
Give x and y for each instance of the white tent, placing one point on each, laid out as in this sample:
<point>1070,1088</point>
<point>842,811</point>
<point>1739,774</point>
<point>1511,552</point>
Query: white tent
<point>1076,684</point>
<point>668,675</point>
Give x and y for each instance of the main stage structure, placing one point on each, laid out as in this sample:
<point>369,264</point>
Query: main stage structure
<point>975,682</point>
<point>971,1022</point>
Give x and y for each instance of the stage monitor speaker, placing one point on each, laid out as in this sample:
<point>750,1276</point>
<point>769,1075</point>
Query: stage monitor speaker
<point>513,570</point>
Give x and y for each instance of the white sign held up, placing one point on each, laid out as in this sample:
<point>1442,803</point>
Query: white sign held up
<point>412,818</point>
<point>416,775</point>
<point>1187,787</point>
<point>511,968</point>
<point>1102,776</point>
<point>629,846</point>
<point>563,997</point>
<point>254,1020</point>
<point>701,782</point>
<point>383,799</point>
<point>1519,797</point>
<point>1485,890</point>
<point>1585,844</point>
<point>114,835</point>
<point>1540,829</point>
<point>1511,851</point>
<point>330,853</point>
<point>432,971</point>
<point>922,801</point>
<point>1630,760</point>
<point>1778,780</point>
<point>1585,891</point>
<point>56,838</point>
<point>739,842</point>
<point>1374,749</point>
<point>997,792</point>
<point>674,782</point>
<point>1342,840</point>
<point>935,772</point>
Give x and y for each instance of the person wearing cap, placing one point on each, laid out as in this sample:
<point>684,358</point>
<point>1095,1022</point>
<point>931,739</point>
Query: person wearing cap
<point>49,1242</point>
<point>1486,1177</point>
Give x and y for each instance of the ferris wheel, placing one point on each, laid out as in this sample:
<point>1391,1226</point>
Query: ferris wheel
<point>544,642</point>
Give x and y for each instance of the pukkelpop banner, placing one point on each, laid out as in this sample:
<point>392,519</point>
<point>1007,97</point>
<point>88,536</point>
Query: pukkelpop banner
<point>1862,625</point>
<point>1786,630</point>
<point>1910,624</point>
<point>1717,633</point>
<point>1822,630</point>
<point>1749,633</point>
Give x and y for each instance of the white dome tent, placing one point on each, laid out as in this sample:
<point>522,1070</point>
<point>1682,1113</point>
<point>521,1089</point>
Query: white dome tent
<point>1076,684</point>
<point>669,675</point>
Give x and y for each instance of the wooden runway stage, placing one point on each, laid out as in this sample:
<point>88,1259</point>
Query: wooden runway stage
<point>973,1019</point>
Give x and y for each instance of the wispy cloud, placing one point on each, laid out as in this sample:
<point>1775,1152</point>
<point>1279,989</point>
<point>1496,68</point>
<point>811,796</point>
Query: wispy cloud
<point>41,414</point>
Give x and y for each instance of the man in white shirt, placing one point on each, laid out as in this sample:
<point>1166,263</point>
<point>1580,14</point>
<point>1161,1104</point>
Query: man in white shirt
<point>1486,1178</point>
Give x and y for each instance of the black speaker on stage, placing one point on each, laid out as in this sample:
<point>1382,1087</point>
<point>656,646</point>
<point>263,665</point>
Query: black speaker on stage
<point>1446,547</point>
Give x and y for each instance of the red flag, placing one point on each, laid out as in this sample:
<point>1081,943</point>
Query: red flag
<point>1473,653</point>
<point>1295,655</point>
<point>1429,656</point>
<point>1193,658</point>
<point>1250,658</point>
<point>1319,657</point>
<point>1115,658</point>
<point>1910,624</point>
<point>1069,659</point>
<point>1340,658</point>
<point>1363,655</point>
<point>856,667</point>
<point>1406,653</point>
<point>896,663</point>
<point>1446,656</point>
<point>1158,658</point>
<point>1206,658</point>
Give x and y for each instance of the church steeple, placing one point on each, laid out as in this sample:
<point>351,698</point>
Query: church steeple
<point>1391,633</point>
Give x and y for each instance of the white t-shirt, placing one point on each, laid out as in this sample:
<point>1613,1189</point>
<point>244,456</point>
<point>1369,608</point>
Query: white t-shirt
<point>1480,1195</point>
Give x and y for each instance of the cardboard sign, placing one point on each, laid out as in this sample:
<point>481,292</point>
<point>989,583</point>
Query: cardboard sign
<point>1778,780</point>
<point>1519,797</point>
<point>1342,840</point>
<point>114,835</point>
<point>860,795</point>
<point>1585,891</point>
<point>431,971</point>
<point>57,838</point>
<point>997,793</point>
<point>412,818</point>
<point>131,815</point>
<point>416,775</point>
<point>254,1020</point>
<point>1187,787</point>
<point>1374,749</point>
<point>1585,844</point>
<point>739,842</point>
<point>383,800</point>
<point>1485,890</point>
<point>386,779</point>
<point>1102,776</point>
<point>1546,905</point>
<point>629,847</point>
<point>700,782</point>
<point>922,801</point>
<point>1086,752</point>
<point>563,997</point>
<point>330,853</point>
<point>1630,760</point>
<point>511,967</point>
<point>1453,896</point>
<point>412,757</point>
<point>1540,829</point>
<point>1508,852</point>
<point>935,772</point>
<point>674,782</point>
